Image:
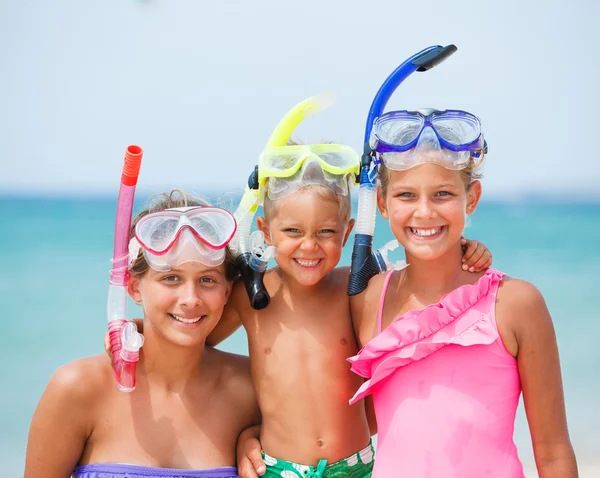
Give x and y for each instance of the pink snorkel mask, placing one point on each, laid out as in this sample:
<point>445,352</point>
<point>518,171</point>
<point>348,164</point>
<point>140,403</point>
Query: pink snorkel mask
<point>175,236</point>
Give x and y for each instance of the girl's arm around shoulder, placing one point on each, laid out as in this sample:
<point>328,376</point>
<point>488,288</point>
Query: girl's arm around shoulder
<point>231,320</point>
<point>64,417</point>
<point>364,308</point>
<point>522,313</point>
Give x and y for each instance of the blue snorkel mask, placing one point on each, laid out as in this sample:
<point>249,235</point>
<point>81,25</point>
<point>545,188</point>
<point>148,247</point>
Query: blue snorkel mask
<point>365,263</point>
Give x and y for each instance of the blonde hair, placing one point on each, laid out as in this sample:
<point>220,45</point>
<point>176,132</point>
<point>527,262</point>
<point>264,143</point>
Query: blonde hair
<point>344,202</point>
<point>472,172</point>
<point>173,199</point>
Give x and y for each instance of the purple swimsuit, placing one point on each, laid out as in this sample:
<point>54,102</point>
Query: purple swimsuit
<point>118,470</point>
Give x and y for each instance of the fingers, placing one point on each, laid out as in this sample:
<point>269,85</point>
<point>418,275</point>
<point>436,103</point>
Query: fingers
<point>245,469</point>
<point>470,248</point>
<point>484,261</point>
<point>476,257</point>
<point>255,457</point>
<point>107,345</point>
<point>252,465</point>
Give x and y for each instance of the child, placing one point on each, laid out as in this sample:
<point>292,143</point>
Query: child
<point>191,402</point>
<point>448,353</point>
<point>298,345</point>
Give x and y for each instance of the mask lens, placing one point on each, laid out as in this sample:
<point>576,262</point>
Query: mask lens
<point>457,129</point>
<point>399,130</point>
<point>157,232</point>
<point>215,227</point>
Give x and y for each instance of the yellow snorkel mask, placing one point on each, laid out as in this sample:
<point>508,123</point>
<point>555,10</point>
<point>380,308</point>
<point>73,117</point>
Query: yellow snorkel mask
<point>283,169</point>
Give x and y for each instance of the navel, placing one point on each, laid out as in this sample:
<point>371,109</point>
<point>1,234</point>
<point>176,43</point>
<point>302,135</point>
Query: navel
<point>343,341</point>
<point>267,351</point>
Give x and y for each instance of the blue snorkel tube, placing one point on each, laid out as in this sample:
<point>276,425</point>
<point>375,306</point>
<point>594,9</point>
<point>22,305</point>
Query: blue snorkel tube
<point>365,263</point>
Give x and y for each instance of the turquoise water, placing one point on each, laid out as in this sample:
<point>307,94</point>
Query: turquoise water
<point>55,253</point>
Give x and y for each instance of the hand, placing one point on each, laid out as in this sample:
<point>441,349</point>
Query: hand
<point>477,257</point>
<point>140,325</point>
<point>249,457</point>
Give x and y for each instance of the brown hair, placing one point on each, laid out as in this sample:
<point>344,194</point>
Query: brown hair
<point>160,202</point>
<point>472,172</point>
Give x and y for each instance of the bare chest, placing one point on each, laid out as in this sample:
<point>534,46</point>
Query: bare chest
<point>173,432</point>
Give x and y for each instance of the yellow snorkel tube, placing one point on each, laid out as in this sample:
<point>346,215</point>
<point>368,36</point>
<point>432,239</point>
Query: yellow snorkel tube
<point>251,255</point>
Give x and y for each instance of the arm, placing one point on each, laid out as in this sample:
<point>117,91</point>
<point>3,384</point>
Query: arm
<point>60,425</point>
<point>528,319</point>
<point>363,309</point>
<point>249,457</point>
<point>231,319</point>
<point>371,418</point>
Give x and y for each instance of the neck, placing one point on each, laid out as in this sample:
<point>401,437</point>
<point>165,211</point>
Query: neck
<point>434,278</point>
<point>169,365</point>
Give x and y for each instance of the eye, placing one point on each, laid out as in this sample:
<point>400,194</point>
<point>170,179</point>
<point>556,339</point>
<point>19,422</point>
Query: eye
<point>404,195</point>
<point>208,280</point>
<point>170,279</point>
<point>445,194</point>
<point>326,231</point>
<point>292,230</point>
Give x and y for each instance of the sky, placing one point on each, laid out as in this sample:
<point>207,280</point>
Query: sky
<point>200,85</point>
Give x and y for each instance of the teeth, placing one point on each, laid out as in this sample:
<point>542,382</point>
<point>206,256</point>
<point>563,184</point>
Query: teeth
<point>307,263</point>
<point>186,321</point>
<point>425,232</point>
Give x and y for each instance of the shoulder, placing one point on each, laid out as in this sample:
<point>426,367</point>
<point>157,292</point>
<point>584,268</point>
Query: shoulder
<point>77,388</point>
<point>519,296</point>
<point>340,277</point>
<point>234,368</point>
<point>82,377</point>
<point>521,306</point>
<point>234,374</point>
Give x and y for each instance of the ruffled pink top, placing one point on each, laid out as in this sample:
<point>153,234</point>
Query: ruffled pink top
<point>445,389</point>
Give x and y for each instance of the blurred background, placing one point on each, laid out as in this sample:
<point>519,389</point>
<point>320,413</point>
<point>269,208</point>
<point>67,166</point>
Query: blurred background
<point>201,85</point>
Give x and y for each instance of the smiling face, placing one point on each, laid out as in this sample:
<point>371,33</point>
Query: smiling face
<point>426,208</point>
<point>182,305</point>
<point>309,230</point>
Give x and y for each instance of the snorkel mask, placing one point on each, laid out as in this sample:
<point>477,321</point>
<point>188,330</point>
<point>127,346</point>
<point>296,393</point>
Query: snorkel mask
<point>395,134</point>
<point>282,170</point>
<point>172,237</point>
<point>405,139</point>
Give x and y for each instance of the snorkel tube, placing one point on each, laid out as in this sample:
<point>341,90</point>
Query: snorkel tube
<point>252,256</point>
<point>125,341</point>
<point>366,264</point>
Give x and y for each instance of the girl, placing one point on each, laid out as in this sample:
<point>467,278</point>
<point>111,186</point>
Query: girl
<point>191,402</point>
<point>447,353</point>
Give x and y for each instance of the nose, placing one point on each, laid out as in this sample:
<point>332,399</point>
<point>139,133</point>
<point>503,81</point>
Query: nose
<point>309,244</point>
<point>190,297</point>
<point>424,209</point>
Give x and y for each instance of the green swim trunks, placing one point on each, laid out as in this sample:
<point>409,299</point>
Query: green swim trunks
<point>358,465</point>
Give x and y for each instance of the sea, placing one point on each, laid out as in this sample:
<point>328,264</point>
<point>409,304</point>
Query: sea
<point>55,260</point>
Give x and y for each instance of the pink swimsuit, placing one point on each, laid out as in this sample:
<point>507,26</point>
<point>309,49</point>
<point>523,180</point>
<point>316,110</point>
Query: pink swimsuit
<point>445,389</point>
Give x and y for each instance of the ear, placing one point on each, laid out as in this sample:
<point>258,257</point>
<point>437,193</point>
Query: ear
<point>348,231</point>
<point>473,196</point>
<point>228,290</point>
<point>381,204</point>
<point>133,288</point>
<point>263,226</point>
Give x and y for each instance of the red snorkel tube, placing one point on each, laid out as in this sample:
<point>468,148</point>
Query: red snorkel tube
<point>125,341</point>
